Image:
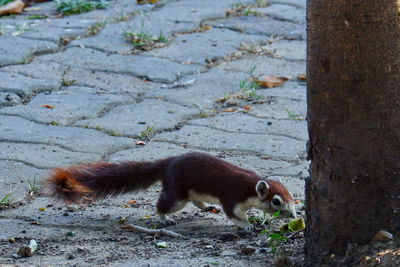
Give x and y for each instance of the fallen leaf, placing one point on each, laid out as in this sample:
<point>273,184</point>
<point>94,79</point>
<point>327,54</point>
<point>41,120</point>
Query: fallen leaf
<point>142,2</point>
<point>214,211</point>
<point>206,27</point>
<point>246,107</point>
<point>14,7</point>
<point>122,220</point>
<point>132,202</point>
<point>126,206</point>
<point>140,143</point>
<point>230,110</point>
<point>302,77</point>
<point>270,81</point>
<point>42,209</point>
<point>297,202</point>
<point>35,223</point>
<point>48,106</point>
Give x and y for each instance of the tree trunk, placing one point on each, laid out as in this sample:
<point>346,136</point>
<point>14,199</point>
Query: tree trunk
<point>353,73</point>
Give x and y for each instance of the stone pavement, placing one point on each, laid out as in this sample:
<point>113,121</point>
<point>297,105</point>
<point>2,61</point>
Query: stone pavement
<point>74,90</point>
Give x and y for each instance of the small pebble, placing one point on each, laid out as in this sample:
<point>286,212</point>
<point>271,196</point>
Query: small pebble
<point>383,236</point>
<point>248,250</point>
<point>25,251</point>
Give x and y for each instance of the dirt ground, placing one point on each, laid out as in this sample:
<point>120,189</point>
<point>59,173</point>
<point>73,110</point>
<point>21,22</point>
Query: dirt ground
<point>211,239</point>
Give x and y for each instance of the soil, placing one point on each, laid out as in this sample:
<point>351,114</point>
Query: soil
<point>211,239</point>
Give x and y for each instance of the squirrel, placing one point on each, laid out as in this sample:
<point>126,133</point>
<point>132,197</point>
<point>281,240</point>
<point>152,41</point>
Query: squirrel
<point>196,177</point>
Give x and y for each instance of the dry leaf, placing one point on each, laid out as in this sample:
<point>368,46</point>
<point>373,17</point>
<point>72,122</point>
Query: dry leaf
<point>142,2</point>
<point>42,209</point>
<point>270,81</point>
<point>302,77</point>
<point>297,202</point>
<point>140,143</point>
<point>247,108</point>
<point>132,202</point>
<point>14,7</point>
<point>206,27</point>
<point>48,106</point>
<point>230,110</point>
<point>214,211</point>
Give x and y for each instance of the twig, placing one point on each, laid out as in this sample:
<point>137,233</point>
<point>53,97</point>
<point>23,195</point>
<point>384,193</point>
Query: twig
<point>133,227</point>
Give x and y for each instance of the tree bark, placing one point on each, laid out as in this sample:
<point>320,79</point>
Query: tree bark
<point>353,73</point>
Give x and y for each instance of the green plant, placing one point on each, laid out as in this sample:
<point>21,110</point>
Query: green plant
<point>37,17</point>
<point>147,133</point>
<point>113,132</point>
<point>7,199</point>
<point>144,40</point>
<point>33,188</point>
<point>292,115</point>
<point>68,7</point>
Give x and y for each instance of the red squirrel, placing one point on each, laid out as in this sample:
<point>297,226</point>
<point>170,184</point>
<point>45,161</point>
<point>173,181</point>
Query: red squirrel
<point>195,177</point>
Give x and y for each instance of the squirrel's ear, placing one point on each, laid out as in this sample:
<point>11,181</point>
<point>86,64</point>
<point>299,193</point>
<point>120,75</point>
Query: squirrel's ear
<point>262,189</point>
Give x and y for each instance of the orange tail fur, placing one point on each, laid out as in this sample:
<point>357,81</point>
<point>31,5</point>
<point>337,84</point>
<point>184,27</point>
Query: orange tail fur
<point>99,180</point>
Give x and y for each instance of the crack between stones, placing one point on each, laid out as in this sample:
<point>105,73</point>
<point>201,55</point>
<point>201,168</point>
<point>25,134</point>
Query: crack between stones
<point>26,163</point>
<point>245,132</point>
<point>5,140</point>
<point>229,151</point>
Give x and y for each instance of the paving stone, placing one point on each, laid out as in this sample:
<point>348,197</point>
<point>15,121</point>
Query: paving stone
<point>242,123</point>
<point>298,170</point>
<point>112,39</point>
<point>207,88</point>
<point>23,85</point>
<point>74,103</point>
<point>195,11</point>
<point>262,26</point>
<point>151,151</point>
<point>265,66</point>
<point>50,29</point>
<point>290,90</point>
<point>16,50</point>
<point>284,12</point>
<point>108,82</point>
<point>296,3</point>
<point>156,150</point>
<point>43,155</point>
<point>72,138</point>
<point>281,108</point>
<point>133,119</point>
<point>288,50</point>
<point>155,69</point>
<point>39,70</point>
<point>14,176</point>
<point>206,138</point>
<point>202,47</point>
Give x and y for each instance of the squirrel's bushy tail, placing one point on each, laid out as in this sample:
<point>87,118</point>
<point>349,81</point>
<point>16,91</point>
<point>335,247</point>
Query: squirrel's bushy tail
<point>99,180</point>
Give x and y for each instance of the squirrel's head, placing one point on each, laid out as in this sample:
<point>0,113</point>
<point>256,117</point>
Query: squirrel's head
<point>274,196</point>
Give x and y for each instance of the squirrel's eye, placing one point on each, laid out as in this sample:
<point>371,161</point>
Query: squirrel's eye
<point>276,202</point>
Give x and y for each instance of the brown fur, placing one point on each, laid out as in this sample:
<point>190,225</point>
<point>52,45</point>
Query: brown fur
<point>198,172</point>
